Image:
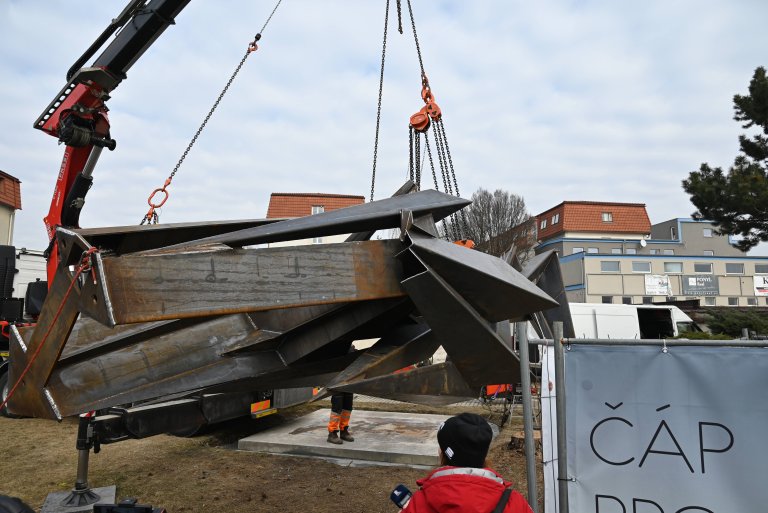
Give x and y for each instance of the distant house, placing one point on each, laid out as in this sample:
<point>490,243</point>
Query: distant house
<point>299,204</point>
<point>10,202</point>
<point>611,253</point>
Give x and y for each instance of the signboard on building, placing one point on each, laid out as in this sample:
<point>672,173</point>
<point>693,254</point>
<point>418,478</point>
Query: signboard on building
<point>657,285</point>
<point>761,285</point>
<point>665,432</point>
<point>700,285</point>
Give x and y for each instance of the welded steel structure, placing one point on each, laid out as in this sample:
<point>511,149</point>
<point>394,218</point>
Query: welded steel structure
<point>166,311</point>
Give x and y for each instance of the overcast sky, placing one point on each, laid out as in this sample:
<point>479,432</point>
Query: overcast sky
<point>553,101</point>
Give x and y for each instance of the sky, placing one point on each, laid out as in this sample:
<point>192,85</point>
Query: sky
<point>574,100</point>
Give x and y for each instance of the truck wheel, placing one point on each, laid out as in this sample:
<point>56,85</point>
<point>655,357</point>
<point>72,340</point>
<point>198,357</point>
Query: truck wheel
<point>4,388</point>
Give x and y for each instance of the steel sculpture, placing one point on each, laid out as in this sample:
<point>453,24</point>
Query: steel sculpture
<point>164,311</point>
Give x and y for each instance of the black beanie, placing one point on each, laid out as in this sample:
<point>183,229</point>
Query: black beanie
<point>465,439</point>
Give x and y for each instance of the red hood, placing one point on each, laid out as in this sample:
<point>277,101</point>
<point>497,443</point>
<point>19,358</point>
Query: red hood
<point>461,489</point>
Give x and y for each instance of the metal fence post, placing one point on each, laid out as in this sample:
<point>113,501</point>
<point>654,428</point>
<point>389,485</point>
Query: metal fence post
<point>562,448</point>
<point>521,335</point>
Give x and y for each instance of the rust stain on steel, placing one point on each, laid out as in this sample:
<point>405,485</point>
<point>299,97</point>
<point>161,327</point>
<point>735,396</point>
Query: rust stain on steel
<point>369,271</point>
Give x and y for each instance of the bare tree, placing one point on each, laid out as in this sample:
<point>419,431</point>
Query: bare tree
<point>496,222</point>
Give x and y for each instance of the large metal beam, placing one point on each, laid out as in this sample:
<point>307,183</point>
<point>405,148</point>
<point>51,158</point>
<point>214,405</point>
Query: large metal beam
<point>490,285</point>
<point>434,385</point>
<point>173,285</point>
<point>403,346</point>
<point>544,271</point>
<point>129,239</point>
<point>38,356</point>
<point>474,347</point>
<point>377,215</point>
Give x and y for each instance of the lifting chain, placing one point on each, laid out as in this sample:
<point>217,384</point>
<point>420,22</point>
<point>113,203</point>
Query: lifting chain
<point>428,116</point>
<point>151,217</point>
<point>381,90</point>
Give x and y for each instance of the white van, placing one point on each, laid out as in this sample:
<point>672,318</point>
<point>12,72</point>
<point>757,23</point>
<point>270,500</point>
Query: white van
<point>597,320</point>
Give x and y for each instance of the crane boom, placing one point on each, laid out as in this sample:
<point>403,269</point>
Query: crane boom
<point>78,114</point>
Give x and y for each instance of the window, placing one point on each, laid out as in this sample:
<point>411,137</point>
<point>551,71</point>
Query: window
<point>577,250</point>
<point>641,267</point>
<point>631,251</point>
<point>733,301</point>
<point>592,250</point>
<point>752,301</point>
<point>653,251</point>
<point>607,299</point>
<point>707,232</point>
<point>669,252</point>
<point>672,232</point>
<point>555,218</point>
<point>543,224</point>
<point>609,266</point>
<point>317,240</point>
<point>607,217</point>
<point>708,252</point>
<point>626,300</point>
<point>673,267</point>
<point>647,300</point>
<point>734,268</point>
<point>761,268</point>
<point>699,267</point>
<point>709,301</point>
<point>615,251</point>
<point>318,209</point>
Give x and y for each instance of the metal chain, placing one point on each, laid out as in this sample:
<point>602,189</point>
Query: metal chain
<point>441,160</point>
<point>152,216</point>
<point>417,158</point>
<point>208,116</point>
<point>431,163</point>
<point>441,141</point>
<point>270,17</point>
<point>378,109</point>
<point>411,171</point>
<point>440,149</point>
<point>416,38</point>
<point>437,188</point>
<point>399,17</point>
<point>464,221</point>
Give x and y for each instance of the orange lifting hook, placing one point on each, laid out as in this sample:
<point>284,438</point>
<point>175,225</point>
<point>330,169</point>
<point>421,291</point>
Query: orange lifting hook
<point>151,216</point>
<point>420,121</point>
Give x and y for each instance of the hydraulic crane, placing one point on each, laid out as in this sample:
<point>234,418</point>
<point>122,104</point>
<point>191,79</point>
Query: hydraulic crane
<point>159,313</point>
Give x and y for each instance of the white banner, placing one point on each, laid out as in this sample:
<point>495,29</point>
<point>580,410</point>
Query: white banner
<point>682,431</point>
<point>657,285</point>
<point>549,429</point>
<point>761,285</point>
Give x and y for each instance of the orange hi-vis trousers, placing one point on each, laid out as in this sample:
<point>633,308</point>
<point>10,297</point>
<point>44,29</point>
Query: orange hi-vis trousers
<point>339,421</point>
<point>341,411</point>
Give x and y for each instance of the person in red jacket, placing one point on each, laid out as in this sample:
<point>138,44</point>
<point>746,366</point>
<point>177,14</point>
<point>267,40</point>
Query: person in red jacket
<point>464,483</point>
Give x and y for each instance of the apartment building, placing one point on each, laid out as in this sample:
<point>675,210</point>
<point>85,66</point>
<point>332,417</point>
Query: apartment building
<point>611,253</point>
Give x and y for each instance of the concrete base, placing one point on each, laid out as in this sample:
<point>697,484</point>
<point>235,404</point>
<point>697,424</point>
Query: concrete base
<point>53,503</point>
<point>383,438</point>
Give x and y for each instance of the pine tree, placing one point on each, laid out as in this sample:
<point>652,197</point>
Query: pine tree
<point>737,201</point>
